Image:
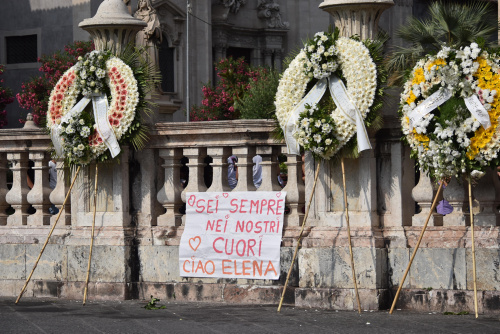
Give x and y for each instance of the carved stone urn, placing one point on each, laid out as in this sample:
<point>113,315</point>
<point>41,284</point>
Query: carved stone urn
<point>356,17</point>
<point>112,27</point>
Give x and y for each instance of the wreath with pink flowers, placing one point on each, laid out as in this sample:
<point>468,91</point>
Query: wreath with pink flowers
<point>121,84</point>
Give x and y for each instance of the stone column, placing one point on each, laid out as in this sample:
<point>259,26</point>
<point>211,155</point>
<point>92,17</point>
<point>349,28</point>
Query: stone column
<point>484,191</point>
<point>269,168</point>
<point>196,164</point>
<point>169,195</point>
<point>3,189</point>
<point>423,194</point>
<point>268,57</point>
<point>17,196</point>
<point>294,188</point>
<point>356,17</point>
<point>277,59</point>
<point>59,193</point>
<point>245,155</point>
<point>455,194</point>
<point>219,165</point>
<point>39,194</point>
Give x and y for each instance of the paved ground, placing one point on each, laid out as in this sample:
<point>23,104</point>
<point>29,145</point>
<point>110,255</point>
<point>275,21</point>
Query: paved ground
<point>61,316</point>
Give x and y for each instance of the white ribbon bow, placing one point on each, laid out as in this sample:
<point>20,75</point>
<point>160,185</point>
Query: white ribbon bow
<point>343,102</point>
<point>100,108</point>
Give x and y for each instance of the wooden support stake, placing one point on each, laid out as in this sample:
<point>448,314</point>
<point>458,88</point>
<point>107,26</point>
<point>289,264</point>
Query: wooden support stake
<point>471,214</point>
<point>349,237</point>
<point>300,235</point>
<point>48,237</point>
<point>91,237</point>
<point>416,247</point>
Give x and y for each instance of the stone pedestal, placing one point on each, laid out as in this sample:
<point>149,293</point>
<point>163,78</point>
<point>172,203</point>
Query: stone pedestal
<point>356,17</point>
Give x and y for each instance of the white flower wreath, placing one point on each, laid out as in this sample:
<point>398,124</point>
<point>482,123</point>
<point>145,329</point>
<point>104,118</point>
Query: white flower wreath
<point>353,62</point>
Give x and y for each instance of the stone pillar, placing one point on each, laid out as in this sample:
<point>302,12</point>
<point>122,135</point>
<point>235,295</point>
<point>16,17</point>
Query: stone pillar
<point>294,188</point>
<point>169,195</point>
<point>356,17</point>
<point>423,194</point>
<point>269,168</point>
<point>39,194</point>
<point>3,189</point>
<point>59,193</point>
<point>219,165</point>
<point>455,194</point>
<point>17,196</point>
<point>277,59</point>
<point>112,27</point>
<point>268,57</point>
<point>484,191</point>
<point>245,155</point>
<point>196,164</point>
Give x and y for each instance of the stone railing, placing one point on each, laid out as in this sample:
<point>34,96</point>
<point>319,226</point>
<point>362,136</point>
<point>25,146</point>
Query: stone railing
<point>160,162</point>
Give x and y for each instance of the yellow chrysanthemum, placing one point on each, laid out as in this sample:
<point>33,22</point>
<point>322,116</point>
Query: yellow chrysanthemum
<point>418,76</point>
<point>411,99</point>
<point>436,62</point>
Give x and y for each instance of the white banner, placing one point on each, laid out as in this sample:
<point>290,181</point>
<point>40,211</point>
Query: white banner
<point>350,111</point>
<point>428,105</point>
<point>100,104</point>
<point>313,97</point>
<point>477,110</point>
<point>232,235</point>
<point>55,131</point>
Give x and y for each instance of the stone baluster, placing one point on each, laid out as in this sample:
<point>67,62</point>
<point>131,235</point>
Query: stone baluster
<point>455,194</point>
<point>484,191</point>
<point>170,194</point>
<point>423,194</point>
<point>245,155</point>
<point>59,193</point>
<point>39,194</point>
<point>17,196</point>
<point>3,189</point>
<point>196,164</point>
<point>295,194</point>
<point>270,168</point>
<point>219,165</point>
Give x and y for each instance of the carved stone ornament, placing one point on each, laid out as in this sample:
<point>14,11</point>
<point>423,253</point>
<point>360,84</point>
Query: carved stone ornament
<point>269,10</point>
<point>233,5</point>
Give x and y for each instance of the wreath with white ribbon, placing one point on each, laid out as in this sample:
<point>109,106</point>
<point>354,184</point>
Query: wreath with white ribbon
<point>450,110</point>
<point>346,68</point>
<point>82,137</point>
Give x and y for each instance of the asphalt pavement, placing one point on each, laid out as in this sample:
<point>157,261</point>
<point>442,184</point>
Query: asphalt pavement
<point>63,316</point>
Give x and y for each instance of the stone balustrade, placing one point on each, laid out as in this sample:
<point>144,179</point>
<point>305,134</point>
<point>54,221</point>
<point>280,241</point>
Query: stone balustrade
<point>140,218</point>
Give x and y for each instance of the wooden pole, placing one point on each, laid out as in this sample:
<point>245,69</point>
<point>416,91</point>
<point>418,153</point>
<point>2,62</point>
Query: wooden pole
<point>416,247</point>
<point>48,237</point>
<point>471,214</point>
<point>91,237</point>
<point>300,235</point>
<point>349,237</point>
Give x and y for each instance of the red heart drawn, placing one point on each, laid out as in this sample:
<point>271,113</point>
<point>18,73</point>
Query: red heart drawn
<point>278,194</point>
<point>191,200</point>
<point>227,216</point>
<point>194,243</point>
<point>225,195</point>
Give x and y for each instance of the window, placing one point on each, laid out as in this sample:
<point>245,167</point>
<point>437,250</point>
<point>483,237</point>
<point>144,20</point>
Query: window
<point>21,49</point>
<point>166,55</point>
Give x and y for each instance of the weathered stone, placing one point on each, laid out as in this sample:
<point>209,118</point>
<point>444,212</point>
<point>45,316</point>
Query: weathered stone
<point>12,262</point>
<point>331,267</point>
<point>52,264</point>
<point>108,263</point>
<point>487,269</point>
<point>340,299</point>
<point>438,268</point>
<point>398,259</point>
